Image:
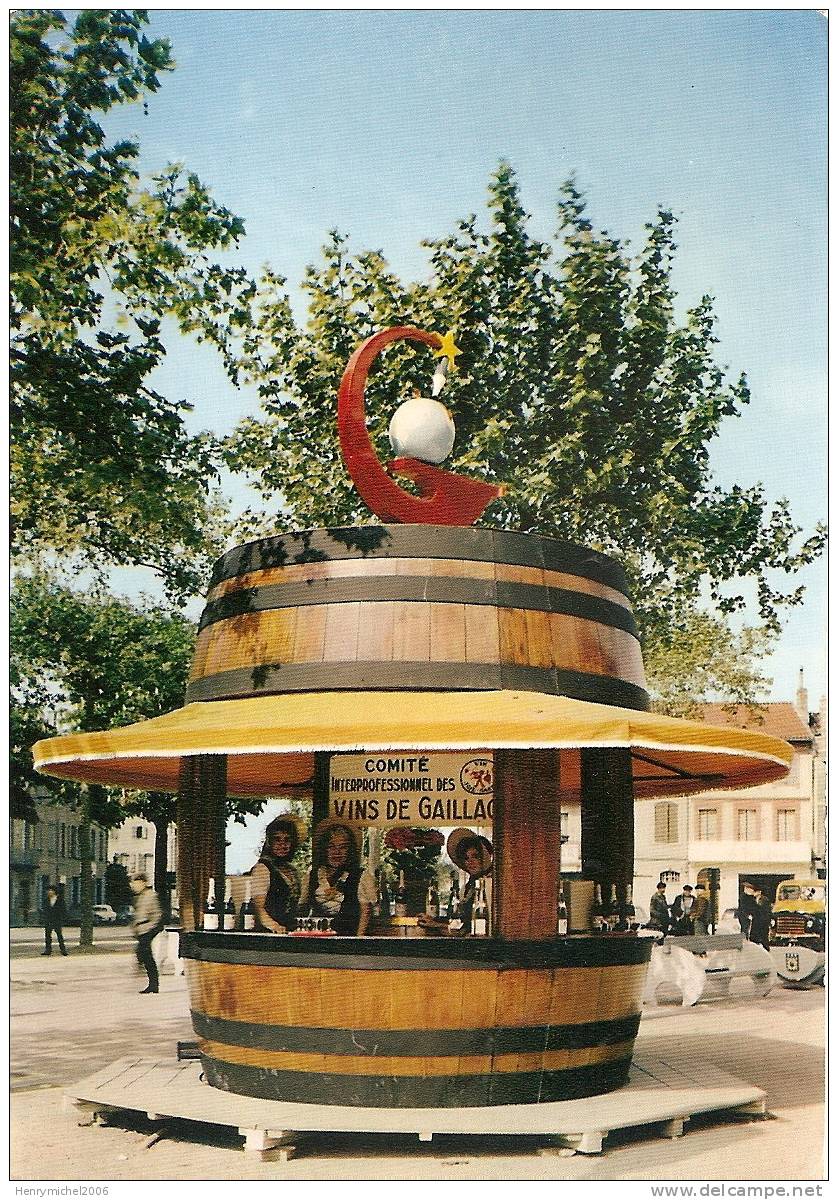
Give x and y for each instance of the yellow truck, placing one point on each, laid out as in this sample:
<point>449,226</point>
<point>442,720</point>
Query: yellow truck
<point>797,932</point>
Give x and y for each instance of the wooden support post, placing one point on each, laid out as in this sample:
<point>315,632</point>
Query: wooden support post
<point>190,914</point>
<point>527,840</point>
<point>590,1142</point>
<point>320,788</point>
<point>608,818</point>
<point>215,776</point>
<point>268,1145</point>
<point>202,820</point>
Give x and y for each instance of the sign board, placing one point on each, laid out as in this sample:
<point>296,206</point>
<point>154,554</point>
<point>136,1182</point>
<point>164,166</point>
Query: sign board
<point>412,788</point>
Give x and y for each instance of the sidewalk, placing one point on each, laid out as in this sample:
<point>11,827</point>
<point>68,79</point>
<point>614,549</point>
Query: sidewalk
<point>73,1016</point>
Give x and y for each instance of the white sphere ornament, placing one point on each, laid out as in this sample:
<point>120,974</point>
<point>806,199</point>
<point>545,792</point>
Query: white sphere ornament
<point>422,428</point>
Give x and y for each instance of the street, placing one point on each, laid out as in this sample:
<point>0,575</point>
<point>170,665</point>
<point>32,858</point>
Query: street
<point>28,941</point>
<point>72,1016</point>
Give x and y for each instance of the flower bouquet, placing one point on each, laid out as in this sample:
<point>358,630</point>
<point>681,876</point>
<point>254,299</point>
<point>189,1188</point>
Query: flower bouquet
<point>414,851</point>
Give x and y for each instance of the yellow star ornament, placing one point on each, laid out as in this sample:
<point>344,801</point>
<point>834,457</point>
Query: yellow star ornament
<point>447,349</point>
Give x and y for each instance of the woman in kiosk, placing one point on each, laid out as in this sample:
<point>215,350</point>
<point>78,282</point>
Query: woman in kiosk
<point>275,883</point>
<point>473,854</point>
<point>338,888</point>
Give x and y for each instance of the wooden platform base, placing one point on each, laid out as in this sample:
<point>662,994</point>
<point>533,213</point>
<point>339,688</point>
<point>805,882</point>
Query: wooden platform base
<point>660,1094</point>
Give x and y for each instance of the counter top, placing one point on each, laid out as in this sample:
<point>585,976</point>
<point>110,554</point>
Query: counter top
<point>389,953</point>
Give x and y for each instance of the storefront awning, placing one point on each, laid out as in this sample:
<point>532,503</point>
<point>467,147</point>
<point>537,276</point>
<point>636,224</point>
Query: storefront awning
<point>271,740</point>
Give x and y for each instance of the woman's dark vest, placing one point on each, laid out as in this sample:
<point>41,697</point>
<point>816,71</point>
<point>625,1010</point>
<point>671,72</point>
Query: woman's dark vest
<point>281,901</point>
<point>468,898</point>
<point>346,920</point>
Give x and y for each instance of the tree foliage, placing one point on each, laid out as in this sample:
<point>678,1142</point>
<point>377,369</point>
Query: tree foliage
<point>103,465</point>
<point>89,661</point>
<point>577,387</point>
<point>26,726</point>
<point>104,661</point>
<point>701,657</point>
<point>117,886</point>
<point>93,661</point>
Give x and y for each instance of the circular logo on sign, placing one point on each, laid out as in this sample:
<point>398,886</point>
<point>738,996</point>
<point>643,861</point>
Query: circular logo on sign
<point>477,776</point>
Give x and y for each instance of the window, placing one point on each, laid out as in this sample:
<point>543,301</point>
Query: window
<point>139,832</point>
<point>787,825</point>
<point>666,822</point>
<point>564,827</point>
<point>747,825</point>
<point>63,840</point>
<point>708,824</point>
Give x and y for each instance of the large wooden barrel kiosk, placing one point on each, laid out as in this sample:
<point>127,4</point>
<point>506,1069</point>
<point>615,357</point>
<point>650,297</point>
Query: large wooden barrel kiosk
<point>424,633</point>
<point>525,1016</point>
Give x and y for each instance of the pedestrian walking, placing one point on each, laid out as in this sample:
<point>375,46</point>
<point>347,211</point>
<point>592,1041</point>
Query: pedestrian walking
<point>745,911</point>
<point>147,923</point>
<point>659,909</point>
<point>700,910</point>
<point>54,916</point>
<point>760,918</point>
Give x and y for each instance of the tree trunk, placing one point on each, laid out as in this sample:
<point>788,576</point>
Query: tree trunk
<point>86,856</point>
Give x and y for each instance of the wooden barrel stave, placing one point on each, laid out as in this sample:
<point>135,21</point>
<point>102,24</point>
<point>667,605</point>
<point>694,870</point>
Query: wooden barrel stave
<point>367,1028</point>
<point>526,617</point>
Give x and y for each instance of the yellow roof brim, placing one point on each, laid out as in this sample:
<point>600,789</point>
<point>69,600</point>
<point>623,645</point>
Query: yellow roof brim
<point>271,740</point>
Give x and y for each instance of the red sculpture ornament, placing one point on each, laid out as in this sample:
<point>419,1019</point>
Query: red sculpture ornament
<point>446,498</point>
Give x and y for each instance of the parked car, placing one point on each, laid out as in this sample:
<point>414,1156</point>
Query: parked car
<point>125,915</point>
<point>103,914</point>
<point>797,932</point>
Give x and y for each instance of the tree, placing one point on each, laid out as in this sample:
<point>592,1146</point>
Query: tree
<point>117,886</point>
<point>100,662</point>
<point>104,469</point>
<point>27,725</point>
<point>702,657</point>
<point>577,387</point>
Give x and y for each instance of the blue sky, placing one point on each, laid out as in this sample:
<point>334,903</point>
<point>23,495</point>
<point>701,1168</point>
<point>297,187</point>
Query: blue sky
<point>388,124</point>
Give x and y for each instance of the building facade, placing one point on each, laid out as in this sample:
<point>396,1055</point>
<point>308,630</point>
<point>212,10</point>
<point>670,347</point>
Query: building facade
<point>132,845</point>
<point>48,852</point>
<point>759,835</point>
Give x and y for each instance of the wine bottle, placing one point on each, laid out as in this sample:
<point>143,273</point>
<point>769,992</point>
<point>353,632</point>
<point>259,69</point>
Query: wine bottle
<point>612,910</point>
<point>561,915</point>
<point>383,897</point>
<point>211,909</point>
<point>248,913</point>
<point>229,910</point>
<point>597,914</point>
<point>480,918</point>
<point>453,910</point>
<point>401,897</point>
<point>432,902</point>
